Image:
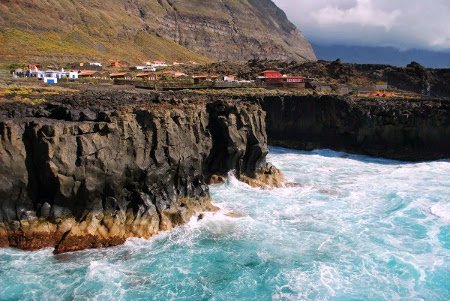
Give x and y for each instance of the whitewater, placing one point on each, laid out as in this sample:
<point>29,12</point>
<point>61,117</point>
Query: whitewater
<point>350,228</point>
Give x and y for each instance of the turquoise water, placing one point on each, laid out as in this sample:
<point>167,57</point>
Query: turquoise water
<point>356,228</point>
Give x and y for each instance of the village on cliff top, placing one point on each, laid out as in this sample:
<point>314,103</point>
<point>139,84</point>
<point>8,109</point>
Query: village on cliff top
<point>163,76</point>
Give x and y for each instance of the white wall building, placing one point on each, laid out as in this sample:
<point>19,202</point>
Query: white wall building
<point>50,80</point>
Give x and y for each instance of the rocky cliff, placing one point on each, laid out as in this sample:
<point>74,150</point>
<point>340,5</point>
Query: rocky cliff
<point>140,30</point>
<point>401,129</point>
<point>95,169</point>
<point>91,169</point>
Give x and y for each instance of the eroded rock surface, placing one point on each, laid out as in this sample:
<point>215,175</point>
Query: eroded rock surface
<point>93,170</point>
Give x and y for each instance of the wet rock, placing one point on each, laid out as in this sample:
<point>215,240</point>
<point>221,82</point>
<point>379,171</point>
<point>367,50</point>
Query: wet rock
<point>267,177</point>
<point>72,181</point>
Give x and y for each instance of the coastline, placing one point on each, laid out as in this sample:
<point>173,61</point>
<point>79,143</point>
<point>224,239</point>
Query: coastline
<point>91,169</point>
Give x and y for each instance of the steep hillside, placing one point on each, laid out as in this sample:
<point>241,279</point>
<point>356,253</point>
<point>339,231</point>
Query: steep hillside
<point>135,30</point>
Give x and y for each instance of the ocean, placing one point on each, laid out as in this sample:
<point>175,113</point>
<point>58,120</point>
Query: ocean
<point>351,228</point>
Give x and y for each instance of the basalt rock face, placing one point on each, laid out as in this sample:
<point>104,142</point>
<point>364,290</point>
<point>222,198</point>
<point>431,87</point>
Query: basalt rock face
<point>410,130</point>
<point>127,171</point>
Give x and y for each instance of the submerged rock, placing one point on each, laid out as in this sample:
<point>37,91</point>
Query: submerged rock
<point>235,214</point>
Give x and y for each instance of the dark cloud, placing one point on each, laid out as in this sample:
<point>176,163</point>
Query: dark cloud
<point>403,24</point>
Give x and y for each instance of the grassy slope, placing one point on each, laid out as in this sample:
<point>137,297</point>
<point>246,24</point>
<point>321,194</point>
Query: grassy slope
<point>132,30</point>
<point>85,29</point>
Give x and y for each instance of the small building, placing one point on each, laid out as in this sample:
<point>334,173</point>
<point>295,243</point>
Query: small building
<point>204,77</point>
<point>121,75</point>
<point>150,76</point>
<point>199,78</point>
<point>381,86</point>
<point>95,64</point>
<point>229,78</point>
<point>157,64</point>
<point>73,75</point>
<point>34,67</point>
<point>276,78</point>
<point>51,73</point>
<point>148,69</point>
<point>294,81</point>
<point>50,80</point>
<point>271,74</point>
<point>88,73</point>
<point>88,66</point>
<point>116,64</point>
<point>38,74</point>
<point>19,72</point>
<point>173,75</point>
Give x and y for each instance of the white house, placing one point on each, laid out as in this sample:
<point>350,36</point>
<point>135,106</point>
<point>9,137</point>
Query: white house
<point>39,74</point>
<point>73,75</point>
<point>96,64</point>
<point>229,78</point>
<point>157,64</point>
<point>149,69</point>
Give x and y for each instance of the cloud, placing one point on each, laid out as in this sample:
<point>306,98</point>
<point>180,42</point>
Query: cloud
<point>364,13</point>
<point>403,24</point>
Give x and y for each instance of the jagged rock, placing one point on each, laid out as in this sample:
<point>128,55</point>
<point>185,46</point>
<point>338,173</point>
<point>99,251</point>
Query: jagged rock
<point>138,169</point>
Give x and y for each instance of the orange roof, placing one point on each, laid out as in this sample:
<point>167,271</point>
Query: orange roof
<point>87,72</point>
<point>145,74</point>
<point>118,74</point>
<point>199,76</point>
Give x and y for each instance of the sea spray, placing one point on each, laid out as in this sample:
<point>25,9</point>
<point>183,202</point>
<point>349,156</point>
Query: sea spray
<point>352,228</point>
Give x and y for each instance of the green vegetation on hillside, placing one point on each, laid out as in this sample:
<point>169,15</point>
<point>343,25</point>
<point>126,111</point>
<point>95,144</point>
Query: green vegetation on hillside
<point>62,31</point>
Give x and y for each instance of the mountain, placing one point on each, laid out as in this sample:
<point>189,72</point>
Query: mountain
<point>136,30</point>
<point>383,55</point>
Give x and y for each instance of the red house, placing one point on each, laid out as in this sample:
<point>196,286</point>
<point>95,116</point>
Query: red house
<point>275,78</point>
<point>295,79</point>
<point>116,64</point>
<point>271,74</point>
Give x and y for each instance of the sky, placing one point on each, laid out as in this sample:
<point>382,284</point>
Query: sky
<point>403,24</point>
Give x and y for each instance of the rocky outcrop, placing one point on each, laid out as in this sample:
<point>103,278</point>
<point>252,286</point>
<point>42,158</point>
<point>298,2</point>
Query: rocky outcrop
<point>401,129</point>
<point>267,177</point>
<point>83,174</point>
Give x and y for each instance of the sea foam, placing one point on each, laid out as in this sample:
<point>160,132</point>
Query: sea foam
<point>354,228</point>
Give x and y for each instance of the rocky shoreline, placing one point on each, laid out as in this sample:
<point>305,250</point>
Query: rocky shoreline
<point>94,168</point>
<point>401,129</point>
<point>91,170</point>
